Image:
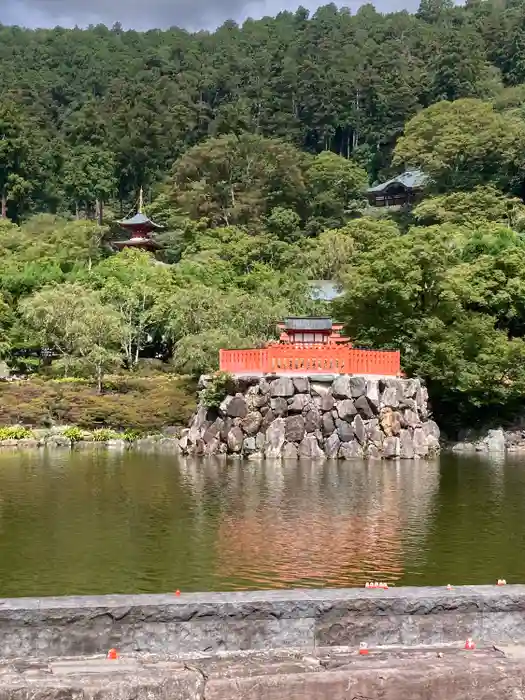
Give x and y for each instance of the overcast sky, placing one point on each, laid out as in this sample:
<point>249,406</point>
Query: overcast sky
<point>145,14</point>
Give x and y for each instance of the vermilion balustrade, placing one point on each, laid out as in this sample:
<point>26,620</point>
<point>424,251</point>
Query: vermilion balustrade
<point>311,359</point>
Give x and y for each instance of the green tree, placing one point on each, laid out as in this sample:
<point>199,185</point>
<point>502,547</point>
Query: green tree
<point>336,188</point>
<point>89,180</point>
<point>463,144</point>
<point>73,322</point>
<point>238,179</point>
<point>132,283</point>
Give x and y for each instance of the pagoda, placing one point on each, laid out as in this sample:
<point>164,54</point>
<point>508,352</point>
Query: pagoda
<point>141,228</point>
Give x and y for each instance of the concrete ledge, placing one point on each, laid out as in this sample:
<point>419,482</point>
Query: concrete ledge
<point>334,674</point>
<point>305,619</point>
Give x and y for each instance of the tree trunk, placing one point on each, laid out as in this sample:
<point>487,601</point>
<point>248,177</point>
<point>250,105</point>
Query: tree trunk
<point>99,379</point>
<point>4,204</point>
<point>77,211</point>
<point>99,209</point>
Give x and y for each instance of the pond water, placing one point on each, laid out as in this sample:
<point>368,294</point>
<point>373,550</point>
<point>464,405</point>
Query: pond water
<point>99,522</point>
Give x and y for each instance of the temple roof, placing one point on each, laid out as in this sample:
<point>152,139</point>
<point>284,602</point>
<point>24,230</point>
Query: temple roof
<point>296,323</point>
<point>137,242</point>
<point>139,220</point>
<point>411,179</point>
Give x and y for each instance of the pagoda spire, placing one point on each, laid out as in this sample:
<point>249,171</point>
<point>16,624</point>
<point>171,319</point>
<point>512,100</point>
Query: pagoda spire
<point>140,227</point>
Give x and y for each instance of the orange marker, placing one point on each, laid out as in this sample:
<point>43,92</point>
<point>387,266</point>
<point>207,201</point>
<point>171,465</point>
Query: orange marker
<point>469,644</point>
<point>112,654</point>
<point>177,592</point>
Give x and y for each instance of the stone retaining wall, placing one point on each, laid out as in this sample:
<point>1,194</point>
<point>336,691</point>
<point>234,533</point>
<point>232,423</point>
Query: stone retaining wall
<point>317,418</point>
<point>303,619</point>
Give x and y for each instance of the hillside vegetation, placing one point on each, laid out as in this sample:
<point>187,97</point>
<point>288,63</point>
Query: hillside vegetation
<point>254,145</point>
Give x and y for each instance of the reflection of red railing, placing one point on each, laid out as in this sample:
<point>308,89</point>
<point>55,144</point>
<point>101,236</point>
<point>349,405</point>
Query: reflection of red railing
<point>311,359</point>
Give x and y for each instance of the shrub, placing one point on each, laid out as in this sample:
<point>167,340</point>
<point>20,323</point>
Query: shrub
<point>15,432</point>
<point>131,435</point>
<point>73,433</point>
<point>145,404</point>
<point>105,434</point>
<point>219,385</point>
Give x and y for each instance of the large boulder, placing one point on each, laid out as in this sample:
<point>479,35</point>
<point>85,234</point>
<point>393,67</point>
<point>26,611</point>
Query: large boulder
<point>301,384</point>
<point>345,431</point>
<point>374,432</point>
<point>309,448</point>
<point>267,420</point>
<point>495,440</point>
<point>327,402</point>
<point>357,386</point>
<point>294,428</point>
<point>346,409</point>
<point>213,431</point>
<point>389,397</point>
<point>251,423</point>
<point>420,443</point>
<point>389,422</point>
<point>200,418</point>
<point>275,436</point>
<point>406,445</point>
<point>312,420</point>
<point>350,450</point>
<point>328,424</point>
<point>341,388</point>
<point>363,407</point>
<point>290,451</point>
<point>235,439</point>
<point>331,446</point>
<point>237,407</point>
<point>411,419</point>
<point>359,429</point>
<point>391,447</point>
<point>319,388</point>
<point>282,387</point>
<point>279,406</point>
<point>431,428</point>
<point>372,393</point>
<point>299,402</point>
<point>249,446</point>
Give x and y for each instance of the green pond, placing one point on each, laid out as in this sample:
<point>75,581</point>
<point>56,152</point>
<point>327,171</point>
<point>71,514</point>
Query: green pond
<point>99,522</point>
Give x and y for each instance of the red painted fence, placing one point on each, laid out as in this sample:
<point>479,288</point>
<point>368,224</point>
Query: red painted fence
<point>311,359</point>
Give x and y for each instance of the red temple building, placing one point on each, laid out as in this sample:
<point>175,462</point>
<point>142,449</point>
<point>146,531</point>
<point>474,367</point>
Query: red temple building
<point>311,346</point>
<point>141,228</point>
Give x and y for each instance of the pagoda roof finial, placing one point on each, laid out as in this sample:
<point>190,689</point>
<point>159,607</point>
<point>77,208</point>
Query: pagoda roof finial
<point>141,201</point>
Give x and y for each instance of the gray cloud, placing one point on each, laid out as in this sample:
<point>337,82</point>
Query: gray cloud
<point>145,14</point>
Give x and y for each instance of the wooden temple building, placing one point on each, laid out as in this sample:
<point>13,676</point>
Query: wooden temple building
<point>141,229</point>
<point>399,191</point>
<point>311,346</point>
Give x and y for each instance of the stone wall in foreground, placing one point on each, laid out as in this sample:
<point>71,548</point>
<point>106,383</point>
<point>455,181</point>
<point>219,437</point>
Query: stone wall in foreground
<point>348,417</point>
<point>301,619</point>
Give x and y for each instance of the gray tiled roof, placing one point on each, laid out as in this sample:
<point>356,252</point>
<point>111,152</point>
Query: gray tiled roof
<point>411,179</point>
<point>308,324</point>
<point>139,220</point>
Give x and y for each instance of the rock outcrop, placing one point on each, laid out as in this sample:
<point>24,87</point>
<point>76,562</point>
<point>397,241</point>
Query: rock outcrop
<point>350,417</point>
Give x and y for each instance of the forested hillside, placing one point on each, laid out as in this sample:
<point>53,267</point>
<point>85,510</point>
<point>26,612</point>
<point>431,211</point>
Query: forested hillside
<point>98,113</point>
<point>254,146</point>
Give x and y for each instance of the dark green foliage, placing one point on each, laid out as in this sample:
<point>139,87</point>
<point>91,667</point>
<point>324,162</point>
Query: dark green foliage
<point>218,386</point>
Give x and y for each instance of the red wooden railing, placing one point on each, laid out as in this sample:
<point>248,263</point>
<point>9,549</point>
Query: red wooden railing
<point>311,359</point>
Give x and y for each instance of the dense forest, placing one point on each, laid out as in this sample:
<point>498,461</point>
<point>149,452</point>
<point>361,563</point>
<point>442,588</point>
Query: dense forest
<point>254,146</point>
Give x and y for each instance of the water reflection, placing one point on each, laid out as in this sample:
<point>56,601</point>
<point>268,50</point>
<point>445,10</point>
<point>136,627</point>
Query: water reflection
<point>310,524</point>
<point>99,522</point>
